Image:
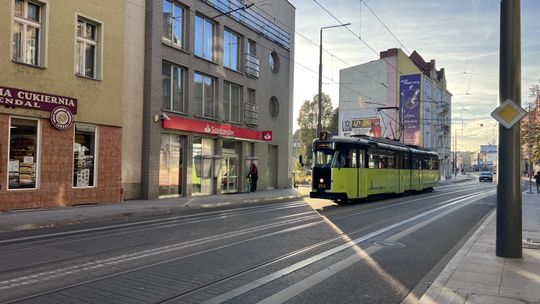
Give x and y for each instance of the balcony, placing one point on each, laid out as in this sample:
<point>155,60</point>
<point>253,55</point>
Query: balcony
<point>252,66</point>
<point>251,114</point>
<point>443,107</point>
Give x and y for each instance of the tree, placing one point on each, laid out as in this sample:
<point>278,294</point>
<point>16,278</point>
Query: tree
<point>534,126</point>
<point>307,121</point>
<point>334,122</point>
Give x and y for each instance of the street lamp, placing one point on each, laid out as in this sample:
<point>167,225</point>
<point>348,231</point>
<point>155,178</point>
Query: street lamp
<point>319,117</point>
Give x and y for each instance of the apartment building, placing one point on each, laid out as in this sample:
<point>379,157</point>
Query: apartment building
<point>400,97</point>
<point>218,81</point>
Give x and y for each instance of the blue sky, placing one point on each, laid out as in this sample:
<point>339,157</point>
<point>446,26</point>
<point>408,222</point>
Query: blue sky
<point>462,36</point>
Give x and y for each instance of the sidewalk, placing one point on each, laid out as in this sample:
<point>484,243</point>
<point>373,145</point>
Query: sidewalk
<point>476,275</point>
<point>37,218</point>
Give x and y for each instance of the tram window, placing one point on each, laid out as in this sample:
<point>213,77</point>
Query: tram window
<point>406,161</point>
<point>361,161</point>
<point>373,160</point>
<point>323,158</point>
<point>391,160</point>
<point>339,160</point>
<point>353,156</point>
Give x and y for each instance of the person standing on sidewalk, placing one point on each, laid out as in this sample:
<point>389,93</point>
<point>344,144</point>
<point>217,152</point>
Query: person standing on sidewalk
<point>253,176</point>
<point>537,178</point>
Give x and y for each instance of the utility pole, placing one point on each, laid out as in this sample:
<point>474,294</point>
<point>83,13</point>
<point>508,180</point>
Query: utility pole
<point>509,210</point>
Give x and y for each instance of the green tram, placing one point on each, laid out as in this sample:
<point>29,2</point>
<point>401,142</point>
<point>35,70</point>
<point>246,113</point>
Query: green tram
<point>349,168</point>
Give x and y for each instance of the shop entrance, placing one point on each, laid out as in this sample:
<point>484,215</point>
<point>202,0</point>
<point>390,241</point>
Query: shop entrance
<point>229,165</point>
<point>170,165</point>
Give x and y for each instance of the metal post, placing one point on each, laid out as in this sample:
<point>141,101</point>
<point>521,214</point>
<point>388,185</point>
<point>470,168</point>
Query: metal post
<point>509,212</point>
<point>319,102</point>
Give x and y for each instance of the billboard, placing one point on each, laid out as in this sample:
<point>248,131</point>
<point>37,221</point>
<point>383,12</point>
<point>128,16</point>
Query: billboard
<point>361,122</point>
<point>409,100</point>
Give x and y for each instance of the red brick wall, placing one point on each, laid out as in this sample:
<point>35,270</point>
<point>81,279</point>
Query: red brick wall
<point>56,169</point>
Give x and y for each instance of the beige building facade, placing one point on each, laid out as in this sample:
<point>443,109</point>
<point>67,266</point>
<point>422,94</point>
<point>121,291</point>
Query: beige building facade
<point>61,92</point>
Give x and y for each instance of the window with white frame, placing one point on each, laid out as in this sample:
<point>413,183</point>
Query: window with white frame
<point>204,38</point>
<point>28,32</point>
<point>84,156</point>
<point>173,87</point>
<point>204,95</point>
<point>23,153</point>
<point>87,48</point>
<point>230,50</point>
<point>173,23</point>
<point>231,101</point>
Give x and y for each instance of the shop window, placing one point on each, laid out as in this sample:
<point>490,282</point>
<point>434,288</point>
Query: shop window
<point>87,48</point>
<point>231,102</point>
<point>28,32</point>
<point>204,95</point>
<point>173,23</point>
<point>172,77</point>
<point>84,156</point>
<point>23,153</point>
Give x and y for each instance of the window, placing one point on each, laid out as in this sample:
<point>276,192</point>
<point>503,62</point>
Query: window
<point>251,47</point>
<point>231,101</point>
<point>204,38</point>
<point>27,32</point>
<point>87,48</point>
<point>23,154</point>
<point>273,62</point>
<point>204,95</point>
<point>273,107</point>
<point>173,23</point>
<point>84,156</point>
<point>373,159</point>
<point>172,83</point>
<point>230,50</point>
<point>251,96</point>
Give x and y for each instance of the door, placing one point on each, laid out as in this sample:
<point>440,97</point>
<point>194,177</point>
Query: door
<point>272,168</point>
<point>170,165</point>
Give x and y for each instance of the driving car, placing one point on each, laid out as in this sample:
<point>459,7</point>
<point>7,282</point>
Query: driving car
<point>486,176</point>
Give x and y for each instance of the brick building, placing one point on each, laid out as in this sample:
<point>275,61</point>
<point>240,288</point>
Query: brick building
<point>60,102</point>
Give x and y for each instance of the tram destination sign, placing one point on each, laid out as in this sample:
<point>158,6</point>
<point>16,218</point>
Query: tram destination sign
<point>11,97</point>
<point>323,145</point>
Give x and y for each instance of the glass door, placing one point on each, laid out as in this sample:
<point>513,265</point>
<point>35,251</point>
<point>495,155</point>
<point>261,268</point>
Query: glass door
<point>229,166</point>
<point>170,166</point>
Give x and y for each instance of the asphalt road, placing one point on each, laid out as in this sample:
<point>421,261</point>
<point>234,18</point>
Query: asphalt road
<point>386,250</point>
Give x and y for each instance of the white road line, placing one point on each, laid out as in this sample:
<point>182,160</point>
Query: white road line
<point>278,274</point>
<point>301,286</point>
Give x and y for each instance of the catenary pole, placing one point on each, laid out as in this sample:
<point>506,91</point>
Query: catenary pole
<point>509,212</point>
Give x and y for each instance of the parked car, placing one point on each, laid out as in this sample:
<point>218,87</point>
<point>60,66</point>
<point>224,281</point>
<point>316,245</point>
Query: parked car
<point>486,177</point>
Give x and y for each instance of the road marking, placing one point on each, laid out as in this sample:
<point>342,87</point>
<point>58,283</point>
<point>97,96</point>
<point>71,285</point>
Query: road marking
<point>278,274</point>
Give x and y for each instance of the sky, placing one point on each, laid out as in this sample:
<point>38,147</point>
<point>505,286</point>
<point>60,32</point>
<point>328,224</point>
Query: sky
<point>462,36</point>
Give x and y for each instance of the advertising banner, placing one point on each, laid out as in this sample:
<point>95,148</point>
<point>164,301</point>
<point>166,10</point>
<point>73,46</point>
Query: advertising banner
<point>409,100</point>
<point>361,122</point>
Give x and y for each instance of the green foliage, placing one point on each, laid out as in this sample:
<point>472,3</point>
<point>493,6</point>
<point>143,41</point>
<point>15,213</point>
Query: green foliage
<point>533,127</point>
<point>307,121</point>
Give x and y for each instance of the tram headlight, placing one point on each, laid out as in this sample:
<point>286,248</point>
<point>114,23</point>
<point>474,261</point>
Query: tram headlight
<point>321,180</point>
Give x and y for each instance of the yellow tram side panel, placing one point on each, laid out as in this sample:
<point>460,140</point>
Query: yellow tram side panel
<point>430,178</point>
<point>405,180</point>
<point>345,180</point>
<point>380,181</point>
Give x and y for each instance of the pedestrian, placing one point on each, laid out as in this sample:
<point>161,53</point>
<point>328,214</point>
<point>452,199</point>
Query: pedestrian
<point>248,184</point>
<point>253,176</point>
<point>537,178</point>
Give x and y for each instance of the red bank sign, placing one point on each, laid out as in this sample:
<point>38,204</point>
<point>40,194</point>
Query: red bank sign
<point>184,124</point>
<point>266,135</point>
<point>10,97</point>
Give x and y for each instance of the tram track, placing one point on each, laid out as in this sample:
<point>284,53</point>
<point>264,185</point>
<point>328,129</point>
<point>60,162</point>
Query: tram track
<point>258,266</point>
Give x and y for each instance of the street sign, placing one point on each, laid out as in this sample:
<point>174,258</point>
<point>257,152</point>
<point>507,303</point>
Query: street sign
<point>508,113</point>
